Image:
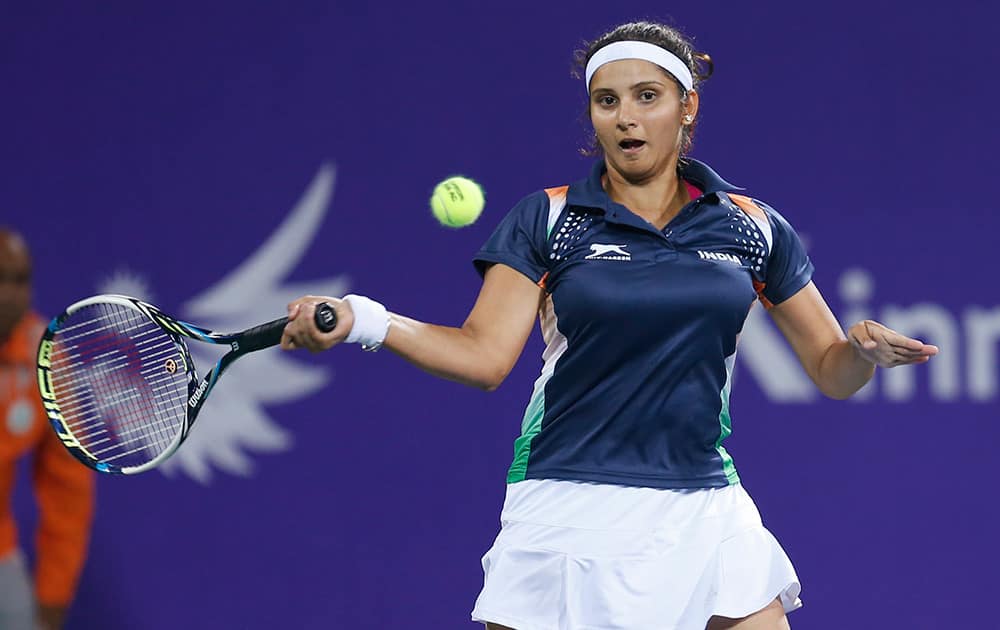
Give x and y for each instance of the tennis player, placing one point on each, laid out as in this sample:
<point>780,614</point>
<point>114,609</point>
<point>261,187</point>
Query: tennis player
<point>63,488</point>
<point>624,509</point>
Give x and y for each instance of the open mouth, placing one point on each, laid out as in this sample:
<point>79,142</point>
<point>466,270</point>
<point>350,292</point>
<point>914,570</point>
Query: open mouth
<point>631,145</point>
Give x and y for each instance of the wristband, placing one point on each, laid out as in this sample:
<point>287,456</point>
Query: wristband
<point>371,322</point>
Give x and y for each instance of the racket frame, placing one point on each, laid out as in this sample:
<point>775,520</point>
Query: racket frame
<point>240,343</point>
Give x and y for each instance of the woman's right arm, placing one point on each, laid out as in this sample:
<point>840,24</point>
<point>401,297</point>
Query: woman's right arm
<point>480,353</point>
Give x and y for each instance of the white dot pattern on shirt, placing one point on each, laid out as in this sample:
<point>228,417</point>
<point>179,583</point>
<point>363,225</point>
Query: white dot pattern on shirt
<point>749,242</point>
<point>573,227</point>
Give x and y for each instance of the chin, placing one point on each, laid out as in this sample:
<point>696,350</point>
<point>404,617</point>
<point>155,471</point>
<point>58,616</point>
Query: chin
<point>635,171</point>
<point>642,167</point>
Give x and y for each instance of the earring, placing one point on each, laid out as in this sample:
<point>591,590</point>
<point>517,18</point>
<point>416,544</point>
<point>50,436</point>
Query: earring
<point>688,118</point>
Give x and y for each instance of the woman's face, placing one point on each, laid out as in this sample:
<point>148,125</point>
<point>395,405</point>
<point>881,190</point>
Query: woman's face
<point>636,110</point>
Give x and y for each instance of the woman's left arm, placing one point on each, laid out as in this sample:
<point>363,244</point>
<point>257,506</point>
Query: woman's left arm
<point>841,365</point>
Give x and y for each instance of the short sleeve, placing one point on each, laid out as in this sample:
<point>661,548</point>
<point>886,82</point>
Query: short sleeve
<point>520,241</point>
<point>788,266</point>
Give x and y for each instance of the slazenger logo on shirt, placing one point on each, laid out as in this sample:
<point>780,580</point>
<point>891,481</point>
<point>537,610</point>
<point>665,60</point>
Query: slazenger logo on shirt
<point>608,252</point>
<point>719,256</point>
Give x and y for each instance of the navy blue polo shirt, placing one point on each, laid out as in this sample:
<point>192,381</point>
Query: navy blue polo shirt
<point>640,327</point>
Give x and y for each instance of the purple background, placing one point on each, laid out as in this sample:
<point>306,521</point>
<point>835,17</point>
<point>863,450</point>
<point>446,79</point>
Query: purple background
<point>171,140</point>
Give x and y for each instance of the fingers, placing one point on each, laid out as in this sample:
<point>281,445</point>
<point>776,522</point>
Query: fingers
<point>301,330</point>
<point>860,334</point>
<point>904,346</point>
<point>885,347</point>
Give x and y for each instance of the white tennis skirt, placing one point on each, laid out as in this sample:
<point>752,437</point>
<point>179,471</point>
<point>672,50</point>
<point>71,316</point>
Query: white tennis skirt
<point>587,556</point>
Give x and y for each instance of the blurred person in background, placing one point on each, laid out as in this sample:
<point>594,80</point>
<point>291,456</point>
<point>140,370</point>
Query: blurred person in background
<point>64,489</point>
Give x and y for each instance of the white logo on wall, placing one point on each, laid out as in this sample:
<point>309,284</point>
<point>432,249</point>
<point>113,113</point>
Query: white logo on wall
<point>234,423</point>
<point>965,369</point>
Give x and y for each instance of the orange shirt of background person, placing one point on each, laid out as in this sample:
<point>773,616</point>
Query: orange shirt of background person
<point>63,487</point>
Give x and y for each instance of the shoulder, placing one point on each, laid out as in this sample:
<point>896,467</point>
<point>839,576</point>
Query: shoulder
<point>34,328</point>
<point>23,342</point>
<point>540,209</point>
<point>753,207</point>
<point>35,321</point>
<point>764,215</point>
<point>542,200</point>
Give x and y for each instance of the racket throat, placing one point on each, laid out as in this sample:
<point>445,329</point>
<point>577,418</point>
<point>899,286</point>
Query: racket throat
<point>198,395</point>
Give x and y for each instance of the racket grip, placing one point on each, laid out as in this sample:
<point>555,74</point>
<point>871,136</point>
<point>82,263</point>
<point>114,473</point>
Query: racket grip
<point>269,334</point>
<point>263,336</point>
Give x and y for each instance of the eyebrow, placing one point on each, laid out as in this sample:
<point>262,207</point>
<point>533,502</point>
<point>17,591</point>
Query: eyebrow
<point>633,87</point>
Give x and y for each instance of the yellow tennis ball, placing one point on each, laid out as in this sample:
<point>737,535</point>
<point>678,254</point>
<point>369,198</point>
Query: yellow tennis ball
<point>457,202</point>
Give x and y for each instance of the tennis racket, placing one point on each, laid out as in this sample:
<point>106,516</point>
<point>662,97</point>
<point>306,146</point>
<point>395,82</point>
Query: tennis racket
<point>118,383</point>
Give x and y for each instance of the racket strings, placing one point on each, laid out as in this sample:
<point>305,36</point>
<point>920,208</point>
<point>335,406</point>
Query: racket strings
<point>81,390</point>
<point>97,357</point>
<point>131,409</point>
<point>121,383</point>
<point>111,396</point>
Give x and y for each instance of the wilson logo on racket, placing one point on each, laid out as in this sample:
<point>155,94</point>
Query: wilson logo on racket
<point>198,393</point>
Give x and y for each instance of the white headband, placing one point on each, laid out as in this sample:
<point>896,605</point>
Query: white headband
<point>640,50</point>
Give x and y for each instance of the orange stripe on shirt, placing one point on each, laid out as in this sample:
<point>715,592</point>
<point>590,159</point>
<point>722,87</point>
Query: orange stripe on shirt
<point>541,283</point>
<point>748,206</point>
<point>758,286</point>
<point>556,193</point>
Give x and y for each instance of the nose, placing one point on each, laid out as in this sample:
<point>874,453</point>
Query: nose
<point>626,115</point>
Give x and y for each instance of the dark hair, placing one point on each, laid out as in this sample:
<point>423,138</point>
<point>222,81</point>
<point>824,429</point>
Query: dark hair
<point>665,37</point>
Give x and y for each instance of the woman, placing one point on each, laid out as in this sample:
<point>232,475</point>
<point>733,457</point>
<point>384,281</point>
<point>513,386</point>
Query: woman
<point>623,508</point>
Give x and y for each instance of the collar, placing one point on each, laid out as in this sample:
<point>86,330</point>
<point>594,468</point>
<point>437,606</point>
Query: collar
<point>589,193</point>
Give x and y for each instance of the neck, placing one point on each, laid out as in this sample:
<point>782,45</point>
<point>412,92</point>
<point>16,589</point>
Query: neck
<point>7,327</point>
<point>657,199</point>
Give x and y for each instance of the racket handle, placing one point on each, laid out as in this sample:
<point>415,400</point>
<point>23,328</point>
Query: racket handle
<point>326,317</point>
<point>269,334</point>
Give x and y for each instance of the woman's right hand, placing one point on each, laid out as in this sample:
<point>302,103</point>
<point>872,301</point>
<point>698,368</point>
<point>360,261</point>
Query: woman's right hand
<point>301,330</point>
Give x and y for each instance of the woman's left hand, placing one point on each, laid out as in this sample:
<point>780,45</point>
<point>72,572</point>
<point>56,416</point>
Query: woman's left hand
<point>887,348</point>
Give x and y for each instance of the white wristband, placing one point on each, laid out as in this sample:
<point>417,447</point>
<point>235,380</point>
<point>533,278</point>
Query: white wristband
<point>371,322</point>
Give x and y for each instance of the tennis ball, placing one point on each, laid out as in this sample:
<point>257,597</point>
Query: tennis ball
<point>457,202</point>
